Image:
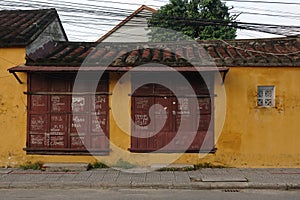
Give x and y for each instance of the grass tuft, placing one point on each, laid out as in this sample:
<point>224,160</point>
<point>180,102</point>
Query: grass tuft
<point>208,165</point>
<point>29,165</point>
<point>195,167</point>
<point>98,165</point>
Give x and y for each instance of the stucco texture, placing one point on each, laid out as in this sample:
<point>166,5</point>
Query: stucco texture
<point>254,136</point>
<point>13,115</point>
<point>250,136</point>
<point>12,108</point>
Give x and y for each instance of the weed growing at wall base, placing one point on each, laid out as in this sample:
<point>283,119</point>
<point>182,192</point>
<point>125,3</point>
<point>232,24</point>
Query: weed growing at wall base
<point>29,165</point>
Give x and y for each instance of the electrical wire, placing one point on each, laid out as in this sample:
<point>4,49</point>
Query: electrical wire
<point>264,10</point>
<point>265,2</point>
<point>93,17</point>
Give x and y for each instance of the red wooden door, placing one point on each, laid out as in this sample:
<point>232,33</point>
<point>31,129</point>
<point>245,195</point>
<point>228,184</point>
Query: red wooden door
<point>158,129</point>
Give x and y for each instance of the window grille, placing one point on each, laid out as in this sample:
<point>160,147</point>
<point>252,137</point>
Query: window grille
<point>266,96</point>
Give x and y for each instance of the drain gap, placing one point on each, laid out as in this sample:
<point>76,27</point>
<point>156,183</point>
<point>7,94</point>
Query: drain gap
<point>231,190</point>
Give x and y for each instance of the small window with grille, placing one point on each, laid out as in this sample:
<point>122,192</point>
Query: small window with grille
<point>266,96</point>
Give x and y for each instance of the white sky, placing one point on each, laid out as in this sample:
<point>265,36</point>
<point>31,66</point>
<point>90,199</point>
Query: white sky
<point>85,20</point>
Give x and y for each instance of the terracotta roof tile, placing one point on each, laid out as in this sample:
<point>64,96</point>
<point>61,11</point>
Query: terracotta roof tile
<point>260,52</point>
<point>156,55</point>
<point>167,55</point>
<point>21,27</point>
<point>87,52</point>
<point>132,57</point>
<point>146,55</point>
<point>76,51</point>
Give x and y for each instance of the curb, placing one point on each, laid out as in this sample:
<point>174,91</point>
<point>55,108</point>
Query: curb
<point>187,186</point>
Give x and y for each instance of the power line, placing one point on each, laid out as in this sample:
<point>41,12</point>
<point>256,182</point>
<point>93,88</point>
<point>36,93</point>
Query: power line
<point>268,28</point>
<point>264,2</point>
<point>92,17</point>
<point>266,10</point>
<point>266,14</point>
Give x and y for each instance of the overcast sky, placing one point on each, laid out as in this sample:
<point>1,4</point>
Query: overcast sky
<point>87,20</point>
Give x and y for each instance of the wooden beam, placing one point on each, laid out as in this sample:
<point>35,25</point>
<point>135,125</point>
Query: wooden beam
<point>16,76</point>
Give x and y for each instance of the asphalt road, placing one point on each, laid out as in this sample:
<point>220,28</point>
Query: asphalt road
<point>129,194</point>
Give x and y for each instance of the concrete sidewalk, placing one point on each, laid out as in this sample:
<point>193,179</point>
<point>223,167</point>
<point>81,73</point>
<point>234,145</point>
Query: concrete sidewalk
<point>207,178</point>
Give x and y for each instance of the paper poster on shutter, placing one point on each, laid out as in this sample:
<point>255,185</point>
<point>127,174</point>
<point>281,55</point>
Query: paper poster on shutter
<point>59,103</point>
<point>80,104</point>
<point>99,124</point>
<point>58,123</point>
<point>79,124</point>
<point>37,140</point>
<point>38,102</point>
<point>38,123</point>
<point>100,104</point>
<point>204,105</point>
<point>57,140</point>
<point>77,142</point>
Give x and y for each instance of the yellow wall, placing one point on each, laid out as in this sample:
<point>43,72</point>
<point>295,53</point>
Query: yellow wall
<point>13,115</point>
<point>250,136</point>
<point>12,108</point>
<point>261,137</point>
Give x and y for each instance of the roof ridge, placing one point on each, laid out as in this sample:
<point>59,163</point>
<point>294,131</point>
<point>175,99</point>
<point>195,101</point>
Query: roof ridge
<point>283,52</point>
<point>275,39</point>
<point>29,10</point>
<point>124,21</point>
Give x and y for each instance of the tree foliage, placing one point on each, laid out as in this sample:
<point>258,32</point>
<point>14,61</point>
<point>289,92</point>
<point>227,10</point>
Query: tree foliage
<point>196,19</point>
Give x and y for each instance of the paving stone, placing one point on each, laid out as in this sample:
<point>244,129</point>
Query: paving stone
<point>63,167</point>
<point>167,176</point>
<point>179,166</point>
<point>207,171</point>
<point>153,177</point>
<point>111,176</point>
<point>220,171</point>
<point>235,171</point>
<point>82,176</point>
<point>223,178</point>
<point>5,170</point>
<point>108,178</point>
<point>124,178</point>
<point>136,170</point>
<point>182,177</point>
<point>195,174</point>
<point>138,178</point>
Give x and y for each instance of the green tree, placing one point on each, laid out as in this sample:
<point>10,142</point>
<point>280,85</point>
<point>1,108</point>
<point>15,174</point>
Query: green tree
<point>196,19</point>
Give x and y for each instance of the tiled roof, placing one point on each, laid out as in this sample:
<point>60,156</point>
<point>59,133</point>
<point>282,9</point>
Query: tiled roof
<point>258,52</point>
<point>21,27</point>
<point>122,23</point>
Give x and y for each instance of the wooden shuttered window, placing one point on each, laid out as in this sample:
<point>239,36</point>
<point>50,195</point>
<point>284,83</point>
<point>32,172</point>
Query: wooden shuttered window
<point>61,123</point>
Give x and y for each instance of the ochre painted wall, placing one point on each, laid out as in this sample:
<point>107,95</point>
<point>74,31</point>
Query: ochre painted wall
<point>260,137</point>
<point>245,135</point>
<point>13,114</point>
<point>12,108</point>
<point>250,136</point>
